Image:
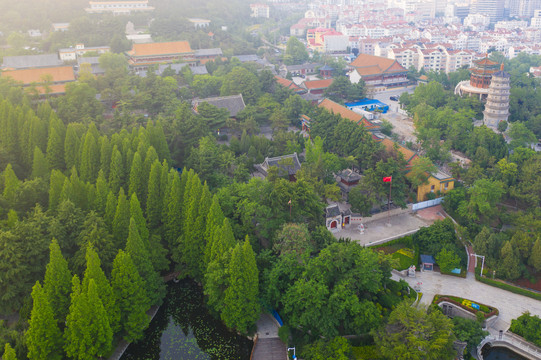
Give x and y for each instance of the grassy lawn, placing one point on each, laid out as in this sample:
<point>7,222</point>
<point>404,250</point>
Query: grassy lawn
<point>405,261</point>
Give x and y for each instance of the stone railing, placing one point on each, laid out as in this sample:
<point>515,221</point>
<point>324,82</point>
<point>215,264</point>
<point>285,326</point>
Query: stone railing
<point>513,342</point>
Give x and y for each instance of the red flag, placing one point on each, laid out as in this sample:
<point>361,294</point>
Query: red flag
<point>289,202</point>
<point>387,179</point>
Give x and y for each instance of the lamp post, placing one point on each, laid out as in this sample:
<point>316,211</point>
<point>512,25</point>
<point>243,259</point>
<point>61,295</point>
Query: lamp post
<point>292,348</point>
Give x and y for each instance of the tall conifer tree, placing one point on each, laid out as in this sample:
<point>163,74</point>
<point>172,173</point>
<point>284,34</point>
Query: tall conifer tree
<point>139,253</point>
<point>136,176</point>
<point>57,283</point>
<point>136,213</point>
<point>94,272</point>
<point>40,166</point>
<point>154,197</point>
<point>55,188</point>
<point>116,173</point>
<point>90,158</point>
<point>71,147</point>
<point>241,305</point>
<point>130,296</point>
<point>106,151</point>
<point>9,353</point>
<point>121,222</point>
<point>102,190</point>
<point>43,337</point>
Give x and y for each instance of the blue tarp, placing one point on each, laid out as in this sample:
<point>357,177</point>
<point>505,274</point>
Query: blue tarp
<point>456,271</point>
<point>368,104</point>
<point>277,317</point>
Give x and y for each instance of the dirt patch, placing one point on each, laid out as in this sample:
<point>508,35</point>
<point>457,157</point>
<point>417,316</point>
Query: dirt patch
<point>525,283</point>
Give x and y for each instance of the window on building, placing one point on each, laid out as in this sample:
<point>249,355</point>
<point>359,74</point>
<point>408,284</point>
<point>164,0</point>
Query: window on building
<point>432,187</point>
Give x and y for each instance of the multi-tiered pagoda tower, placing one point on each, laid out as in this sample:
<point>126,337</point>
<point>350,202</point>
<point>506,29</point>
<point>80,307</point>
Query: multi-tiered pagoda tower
<point>481,74</point>
<point>497,105</point>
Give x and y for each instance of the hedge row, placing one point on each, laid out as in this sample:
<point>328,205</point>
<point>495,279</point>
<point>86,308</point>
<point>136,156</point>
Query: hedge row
<point>505,286</point>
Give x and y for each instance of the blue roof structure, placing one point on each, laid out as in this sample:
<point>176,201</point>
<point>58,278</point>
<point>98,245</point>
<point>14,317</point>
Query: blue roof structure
<point>368,104</point>
<point>427,259</point>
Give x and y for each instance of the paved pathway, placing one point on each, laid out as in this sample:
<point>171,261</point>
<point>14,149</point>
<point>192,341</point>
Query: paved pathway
<point>268,345</point>
<point>509,304</point>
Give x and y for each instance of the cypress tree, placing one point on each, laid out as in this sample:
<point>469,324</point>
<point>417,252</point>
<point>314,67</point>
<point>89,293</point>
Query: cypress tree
<point>43,337</point>
<point>106,151</point>
<point>11,184</point>
<point>222,240</point>
<point>87,333</point>
<point>130,297</point>
<point>154,197</point>
<point>94,272</point>
<point>158,141</point>
<point>55,188</point>
<point>110,210</point>
<point>90,158</point>
<point>102,190</point>
<point>71,147</point>
<point>137,214</point>
<point>9,353</point>
<point>12,218</point>
<point>116,173</point>
<point>150,158</point>
<point>173,218</point>
<point>535,255</point>
<point>136,176</point>
<point>139,253</point>
<point>40,166</point>
<point>99,329</point>
<point>241,306</point>
<point>121,222</point>
<point>56,145</point>
<point>215,218</point>
<point>57,283</point>
<point>166,182</point>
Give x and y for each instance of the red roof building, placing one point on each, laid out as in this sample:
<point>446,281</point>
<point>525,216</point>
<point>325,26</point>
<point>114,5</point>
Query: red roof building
<point>378,71</point>
<point>317,86</point>
<point>141,56</point>
<point>345,113</point>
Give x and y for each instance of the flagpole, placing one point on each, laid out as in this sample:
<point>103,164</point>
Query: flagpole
<point>389,204</point>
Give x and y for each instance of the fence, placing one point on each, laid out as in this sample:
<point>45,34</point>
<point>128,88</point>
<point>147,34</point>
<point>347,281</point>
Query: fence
<point>513,342</point>
<point>426,204</point>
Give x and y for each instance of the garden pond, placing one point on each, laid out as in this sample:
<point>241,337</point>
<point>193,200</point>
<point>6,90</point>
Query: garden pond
<point>184,329</point>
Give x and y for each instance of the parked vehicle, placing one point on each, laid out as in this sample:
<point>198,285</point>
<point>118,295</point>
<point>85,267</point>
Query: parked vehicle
<point>394,98</point>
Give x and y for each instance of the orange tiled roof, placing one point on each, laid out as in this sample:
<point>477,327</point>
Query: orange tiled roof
<point>371,65</point>
<point>345,113</point>
<point>318,84</point>
<point>409,155</point>
<point>163,48</point>
<point>287,83</point>
<point>28,76</point>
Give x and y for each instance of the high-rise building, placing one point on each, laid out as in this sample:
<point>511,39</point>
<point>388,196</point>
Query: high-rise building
<point>527,7</point>
<point>494,9</point>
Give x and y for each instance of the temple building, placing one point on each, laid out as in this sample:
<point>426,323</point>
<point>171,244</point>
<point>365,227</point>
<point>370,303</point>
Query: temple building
<point>497,105</point>
<point>118,7</point>
<point>141,56</point>
<point>481,75</point>
<point>377,71</point>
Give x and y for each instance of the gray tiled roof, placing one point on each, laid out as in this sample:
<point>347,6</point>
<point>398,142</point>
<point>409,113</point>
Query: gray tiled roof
<point>247,58</point>
<point>234,103</point>
<point>199,70</point>
<point>31,61</point>
<point>332,211</point>
<point>209,52</point>
<point>283,169</point>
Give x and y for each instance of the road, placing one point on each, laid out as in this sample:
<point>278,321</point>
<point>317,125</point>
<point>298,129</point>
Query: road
<point>510,305</point>
<point>403,125</point>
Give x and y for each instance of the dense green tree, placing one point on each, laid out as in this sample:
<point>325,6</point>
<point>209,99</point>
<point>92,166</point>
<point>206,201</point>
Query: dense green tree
<point>527,326</point>
<point>90,156</point>
<point>136,177</point>
<point>55,150</point>
<point>241,81</point>
<point>295,52</point>
<point>106,151</point>
<point>43,338</point>
<point>535,256</point>
<point>139,253</point>
<point>87,334</point>
<point>79,104</point>
<point>130,296</point>
<point>293,238</point>
<point>337,349</point>
<point>57,283</point>
<point>40,166</point>
<point>214,117</point>
<point>55,188</point>
<point>241,306</point>
<point>215,218</point>
<point>110,209</point>
<point>520,135</point>
<point>172,220</point>
<point>415,333</point>
<point>121,221</point>
<point>447,260</point>
<point>95,273</point>
<point>509,266</point>
<point>11,184</point>
<point>9,353</point>
<point>116,172</point>
<point>469,331</point>
<point>136,213</point>
<point>71,147</point>
<point>484,194</point>
<point>154,196</point>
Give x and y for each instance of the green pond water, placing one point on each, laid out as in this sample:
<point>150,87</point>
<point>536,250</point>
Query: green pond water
<point>183,329</point>
<point>500,353</point>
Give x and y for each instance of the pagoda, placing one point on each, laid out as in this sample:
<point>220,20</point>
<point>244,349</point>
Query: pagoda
<point>497,105</point>
<point>480,78</point>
